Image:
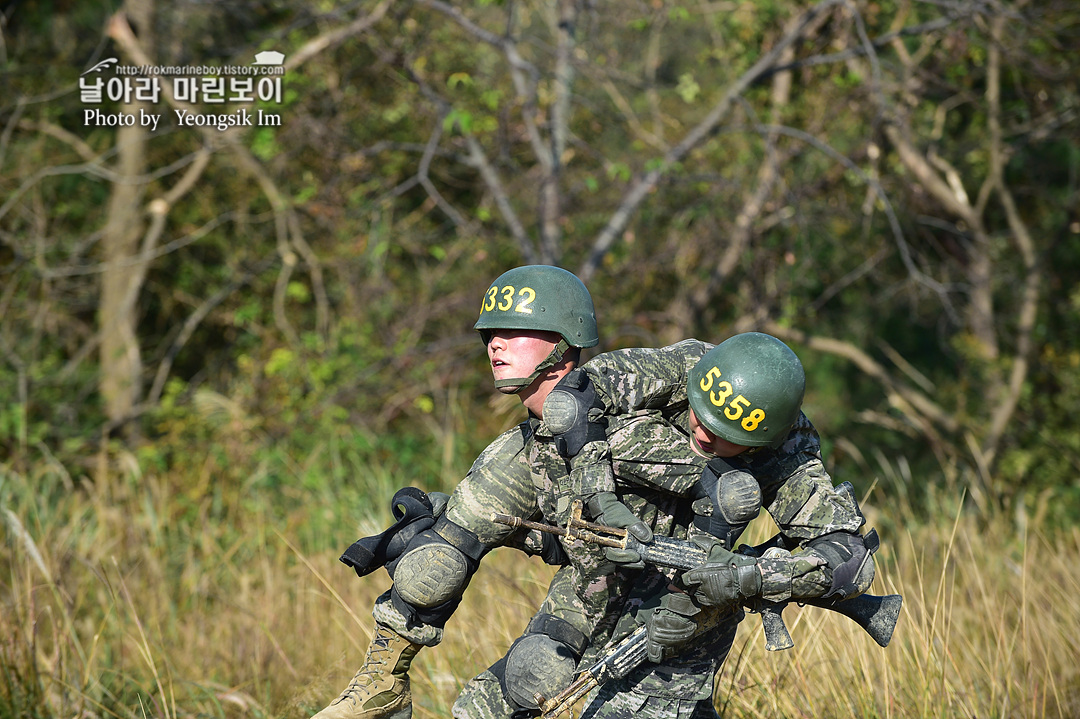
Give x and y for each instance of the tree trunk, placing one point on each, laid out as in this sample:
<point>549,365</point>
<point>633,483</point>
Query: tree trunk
<point>121,360</point>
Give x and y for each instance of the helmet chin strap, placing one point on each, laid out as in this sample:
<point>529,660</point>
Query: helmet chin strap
<point>513,385</point>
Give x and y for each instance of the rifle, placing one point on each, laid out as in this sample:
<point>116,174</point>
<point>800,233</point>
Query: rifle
<point>615,664</point>
<point>877,615</point>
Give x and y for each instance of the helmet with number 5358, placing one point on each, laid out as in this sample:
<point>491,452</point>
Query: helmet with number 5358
<point>748,389</point>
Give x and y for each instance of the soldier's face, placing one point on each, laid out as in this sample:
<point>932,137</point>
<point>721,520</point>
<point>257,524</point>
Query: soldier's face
<point>709,444</point>
<point>515,353</point>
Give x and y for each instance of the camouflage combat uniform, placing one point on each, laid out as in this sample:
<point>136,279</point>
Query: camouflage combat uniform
<point>588,592</point>
<point>644,390</point>
<point>796,491</point>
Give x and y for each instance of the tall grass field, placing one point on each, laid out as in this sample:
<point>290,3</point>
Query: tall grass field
<point>123,596</point>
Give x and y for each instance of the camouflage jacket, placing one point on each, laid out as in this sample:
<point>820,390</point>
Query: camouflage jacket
<point>522,474</point>
<point>811,514</point>
<point>644,393</point>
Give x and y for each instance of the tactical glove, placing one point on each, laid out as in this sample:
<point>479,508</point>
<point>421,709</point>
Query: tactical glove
<point>670,626</point>
<point>725,580</point>
<point>606,508</point>
<point>798,574</point>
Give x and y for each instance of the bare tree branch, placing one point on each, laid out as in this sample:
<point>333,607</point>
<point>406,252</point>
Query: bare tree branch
<point>495,185</point>
<point>550,192</point>
<point>631,118</point>
<point>189,327</point>
<point>290,239</point>
<point>478,159</point>
<point>1029,297</point>
<point>76,143</point>
<point>648,182</point>
<point>423,174</point>
<point>336,36</point>
<point>768,176</point>
<point>524,74</point>
<point>876,43</point>
<point>166,249</point>
<point>900,394</point>
<point>941,290</point>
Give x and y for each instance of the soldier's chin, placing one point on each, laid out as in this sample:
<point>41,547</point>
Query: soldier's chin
<point>699,450</point>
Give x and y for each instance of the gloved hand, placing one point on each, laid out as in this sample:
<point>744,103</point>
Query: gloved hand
<point>725,580</point>
<point>670,626</point>
<point>606,508</point>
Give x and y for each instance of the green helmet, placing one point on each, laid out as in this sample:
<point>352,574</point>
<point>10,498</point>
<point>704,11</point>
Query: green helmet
<point>539,297</point>
<point>748,389</point>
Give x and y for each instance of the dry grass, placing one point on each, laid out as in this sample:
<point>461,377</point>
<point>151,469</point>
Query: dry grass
<point>122,599</point>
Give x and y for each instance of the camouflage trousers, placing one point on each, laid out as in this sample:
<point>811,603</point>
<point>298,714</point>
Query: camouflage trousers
<point>681,687</point>
<point>482,698</point>
<point>672,690</point>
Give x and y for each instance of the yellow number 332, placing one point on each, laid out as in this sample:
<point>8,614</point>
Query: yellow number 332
<point>503,299</point>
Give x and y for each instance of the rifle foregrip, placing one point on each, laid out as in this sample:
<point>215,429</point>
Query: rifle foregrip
<point>777,637</point>
<point>668,552</point>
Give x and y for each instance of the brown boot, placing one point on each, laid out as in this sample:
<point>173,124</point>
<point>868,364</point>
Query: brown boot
<point>380,690</point>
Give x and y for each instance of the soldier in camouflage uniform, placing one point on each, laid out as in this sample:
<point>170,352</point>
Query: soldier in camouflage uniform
<point>740,406</point>
<point>736,407</point>
<point>649,447</point>
<point>534,322</point>
<point>432,559</point>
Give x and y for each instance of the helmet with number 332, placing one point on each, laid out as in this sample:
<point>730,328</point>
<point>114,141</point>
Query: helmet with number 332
<point>748,389</point>
<point>540,297</point>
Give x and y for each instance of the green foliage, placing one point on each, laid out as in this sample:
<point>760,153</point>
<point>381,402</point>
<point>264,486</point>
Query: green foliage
<point>688,89</point>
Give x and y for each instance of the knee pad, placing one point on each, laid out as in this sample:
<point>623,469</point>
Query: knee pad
<point>437,565</point>
<point>431,574</point>
<point>541,661</point>
<point>537,664</point>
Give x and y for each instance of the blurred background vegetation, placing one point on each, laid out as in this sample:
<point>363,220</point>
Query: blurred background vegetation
<point>221,351</point>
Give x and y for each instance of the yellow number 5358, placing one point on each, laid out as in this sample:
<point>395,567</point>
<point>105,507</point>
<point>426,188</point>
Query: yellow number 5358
<point>737,405</point>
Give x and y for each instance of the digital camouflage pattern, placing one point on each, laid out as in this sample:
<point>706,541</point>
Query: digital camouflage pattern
<point>522,474</point>
<point>599,585</point>
<point>796,489</point>
<point>654,470</point>
<point>680,687</point>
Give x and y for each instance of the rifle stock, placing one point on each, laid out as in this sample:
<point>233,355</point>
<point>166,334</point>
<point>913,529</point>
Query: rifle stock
<point>876,614</point>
